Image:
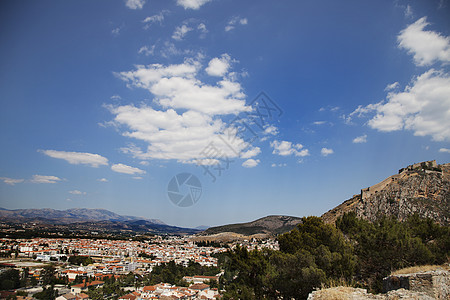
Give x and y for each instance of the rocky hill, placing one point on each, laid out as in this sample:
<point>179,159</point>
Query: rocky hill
<point>422,188</point>
<point>267,225</point>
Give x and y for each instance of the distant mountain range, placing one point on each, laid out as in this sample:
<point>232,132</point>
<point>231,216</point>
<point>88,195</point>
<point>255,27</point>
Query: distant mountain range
<point>422,188</point>
<point>268,225</point>
<point>87,219</point>
<point>67,216</point>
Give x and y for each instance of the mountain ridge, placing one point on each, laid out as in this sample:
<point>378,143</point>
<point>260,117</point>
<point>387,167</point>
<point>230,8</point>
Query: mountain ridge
<point>72,215</point>
<point>272,224</point>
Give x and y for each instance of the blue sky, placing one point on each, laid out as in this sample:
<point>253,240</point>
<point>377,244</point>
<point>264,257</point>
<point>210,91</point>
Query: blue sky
<point>103,102</point>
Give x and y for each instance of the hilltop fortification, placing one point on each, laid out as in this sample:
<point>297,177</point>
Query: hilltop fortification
<point>422,188</point>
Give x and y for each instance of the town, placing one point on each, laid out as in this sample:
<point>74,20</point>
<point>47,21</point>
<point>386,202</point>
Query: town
<point>163,267</point>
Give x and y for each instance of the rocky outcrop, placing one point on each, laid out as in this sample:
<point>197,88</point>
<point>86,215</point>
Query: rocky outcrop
<point>349,293</point>
<point>435,284</point>
<point>422,188</point>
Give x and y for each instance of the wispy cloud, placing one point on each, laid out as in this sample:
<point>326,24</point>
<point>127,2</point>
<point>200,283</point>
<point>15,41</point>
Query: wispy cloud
<point>77,192</point>
<point>235,21</point>
<point>76,158</point>
<point>444,150</point>
<point>102,180</point>
<point>147,50</point>
<point>44,179</point>
<point>11,181</point>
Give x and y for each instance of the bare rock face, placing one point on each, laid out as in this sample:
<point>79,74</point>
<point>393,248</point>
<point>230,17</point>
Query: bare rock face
<point>435,284</point>
<point>422,188</point>
<point>349,293</point>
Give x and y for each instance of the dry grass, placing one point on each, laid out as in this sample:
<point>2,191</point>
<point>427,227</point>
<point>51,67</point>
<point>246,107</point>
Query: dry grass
<point>336,293</point>
<point>417,269</point>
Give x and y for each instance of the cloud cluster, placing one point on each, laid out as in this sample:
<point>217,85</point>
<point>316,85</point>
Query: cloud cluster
<point>235,21</point>
<point>424,105</point>
<point>180,32</point>
<point>285,148</point>
<point>190,117</point>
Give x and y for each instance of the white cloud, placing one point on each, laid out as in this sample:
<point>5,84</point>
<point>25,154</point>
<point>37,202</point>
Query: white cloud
<point>138,177</point>
<point>426,47</point>
<point>235,21</point>
<point>251,153</point>
<point>176,86</point>
<point>103,180</point>
<point>121,168</point>
<point>423,107</point>
<point>183,135</point>
<point>444,150</point>
<point>319,122</point>
<point>392,86</point>
<point>77,192</point>
<point>146,50</point>
<point>271,129</point>
<point>11,181</point>
<point>135,4</point>
<point>326,151</point>
<point>250,163</point>
<point>218,66</point>
<point>44,179</point>
<point>360,139</point>
<point>285,148</point>
<point>192,4</point>
<point>75,158</point>
<point>180,32</point>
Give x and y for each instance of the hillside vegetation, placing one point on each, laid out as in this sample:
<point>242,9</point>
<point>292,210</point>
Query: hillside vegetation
<point>316,254</point>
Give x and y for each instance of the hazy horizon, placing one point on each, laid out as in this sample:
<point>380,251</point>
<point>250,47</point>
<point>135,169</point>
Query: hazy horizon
<point>251,108</point>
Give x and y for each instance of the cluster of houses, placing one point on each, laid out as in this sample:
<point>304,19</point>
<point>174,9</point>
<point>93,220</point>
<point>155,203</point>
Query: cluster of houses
<point>114,258</point>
